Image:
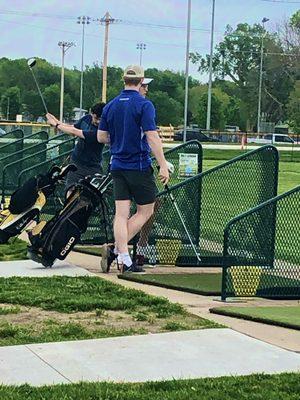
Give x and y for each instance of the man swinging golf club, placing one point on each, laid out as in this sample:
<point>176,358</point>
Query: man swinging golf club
<point>128,124</point>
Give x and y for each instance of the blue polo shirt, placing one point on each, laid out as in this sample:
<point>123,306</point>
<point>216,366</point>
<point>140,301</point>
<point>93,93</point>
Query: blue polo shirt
<point>126,118</point>
<point>87,151</point>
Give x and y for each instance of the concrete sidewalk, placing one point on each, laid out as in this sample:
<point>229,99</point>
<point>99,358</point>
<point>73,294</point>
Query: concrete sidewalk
<point>175,355</point>
<point>27,268</point>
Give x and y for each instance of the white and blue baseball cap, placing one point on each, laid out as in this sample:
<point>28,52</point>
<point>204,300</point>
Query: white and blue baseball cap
<point>146,81</point>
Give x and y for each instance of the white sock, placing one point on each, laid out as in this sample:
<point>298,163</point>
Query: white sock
<point>125,259</point>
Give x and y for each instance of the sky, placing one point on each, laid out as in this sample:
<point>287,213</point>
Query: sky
<point>34,28</point>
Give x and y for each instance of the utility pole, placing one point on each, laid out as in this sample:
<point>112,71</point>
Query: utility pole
<point>141,47</point>
<point>208,114</point>
<point>82,20</point>
<point>264,20</point>
<point>107,20</point>
<point>187,63</point>
<point>64,47</point>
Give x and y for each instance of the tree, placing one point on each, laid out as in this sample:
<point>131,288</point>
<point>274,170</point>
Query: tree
<point>169,111</point>
<point>217,120</point>
<point>295,20</point>
<point>167,89</point>
<point>238,57</point>
<point>14,95</point>
<point>52,98</point>
<point>293,107</point>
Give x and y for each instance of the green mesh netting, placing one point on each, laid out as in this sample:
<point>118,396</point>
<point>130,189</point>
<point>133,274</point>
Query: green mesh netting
<point>41,152</point>
<point>21,148</point>
<point>11,142</point>
<point>206,203</point>
<point>262,252</point>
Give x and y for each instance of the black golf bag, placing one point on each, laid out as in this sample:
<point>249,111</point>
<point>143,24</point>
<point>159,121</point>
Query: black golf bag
<point>27,201</point>
<point>56,238</point>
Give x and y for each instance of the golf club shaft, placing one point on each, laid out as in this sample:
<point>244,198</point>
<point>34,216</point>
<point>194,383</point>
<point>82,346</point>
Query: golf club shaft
<point>183,223</point>
<point>39,90</point>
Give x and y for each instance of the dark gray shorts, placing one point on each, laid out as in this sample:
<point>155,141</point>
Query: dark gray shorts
<point>81,173</point>
<point>137,185</point>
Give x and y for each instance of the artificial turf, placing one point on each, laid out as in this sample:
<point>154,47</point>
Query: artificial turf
<point>286,316</point>
<point>206,283</point>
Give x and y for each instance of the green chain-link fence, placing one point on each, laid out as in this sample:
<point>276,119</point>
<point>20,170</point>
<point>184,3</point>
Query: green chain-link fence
<point>207,203</point>
<point>32,159</point>
<point>12,152</point>
<point>11,142</point>
<point>262,250</point>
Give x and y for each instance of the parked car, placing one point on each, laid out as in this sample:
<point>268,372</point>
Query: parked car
<point>194,134</point>
<point>272,138</point>
<point>232,128</point>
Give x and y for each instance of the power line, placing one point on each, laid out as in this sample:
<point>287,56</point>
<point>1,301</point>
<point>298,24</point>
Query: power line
<point>97,36</point>
<point>281,1</point>
<point>124,22</point>
<point>28,14</point>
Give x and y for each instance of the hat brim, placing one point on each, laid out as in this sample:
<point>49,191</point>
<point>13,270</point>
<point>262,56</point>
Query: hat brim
<point>146,81</point>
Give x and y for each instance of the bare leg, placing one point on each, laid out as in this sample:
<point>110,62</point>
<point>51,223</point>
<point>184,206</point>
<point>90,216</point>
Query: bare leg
<point>120,225</point>
<point>146,229</point>
<point>138,220</point>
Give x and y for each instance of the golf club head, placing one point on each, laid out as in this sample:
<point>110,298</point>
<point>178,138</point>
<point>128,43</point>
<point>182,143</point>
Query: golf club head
<point>31,62</point>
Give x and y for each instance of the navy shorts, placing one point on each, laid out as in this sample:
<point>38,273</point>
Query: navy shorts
<point>135,185</point>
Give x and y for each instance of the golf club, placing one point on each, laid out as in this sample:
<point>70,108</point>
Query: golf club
<point>172,198</point>
<point>31,63</point>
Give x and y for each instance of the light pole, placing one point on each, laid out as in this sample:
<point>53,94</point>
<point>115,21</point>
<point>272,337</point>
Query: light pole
<point>64,47</point>
<point>82,20</point>
<point>264,20</point>
<point>187,63</point>
<point>141,47</point>
<point>208,114</point>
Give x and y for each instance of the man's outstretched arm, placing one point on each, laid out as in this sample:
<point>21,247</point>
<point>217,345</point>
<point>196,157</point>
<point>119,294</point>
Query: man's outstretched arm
<point>66,128</point>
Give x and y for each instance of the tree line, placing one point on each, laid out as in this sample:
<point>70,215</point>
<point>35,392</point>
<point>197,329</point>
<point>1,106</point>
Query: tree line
<point>236,71</point>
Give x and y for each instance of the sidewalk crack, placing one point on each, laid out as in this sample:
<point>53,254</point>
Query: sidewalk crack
<point>44,361</point>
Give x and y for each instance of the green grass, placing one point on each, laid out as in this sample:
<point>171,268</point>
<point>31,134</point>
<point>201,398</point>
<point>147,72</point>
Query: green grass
<point>9,310</point>
<point>54,331</point>
<point>15,249</point>
<point>68,308</point>
<point>289,173</point>
<point>288,316</point>
<point>225,154</point>
<point>93,250</point>
<point>252,387</point>
<point>206,284</point>
<point>69,294</point>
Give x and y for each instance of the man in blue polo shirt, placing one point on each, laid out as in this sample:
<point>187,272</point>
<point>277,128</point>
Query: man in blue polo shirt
<point>87,153</point>
<point>128,124</point>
